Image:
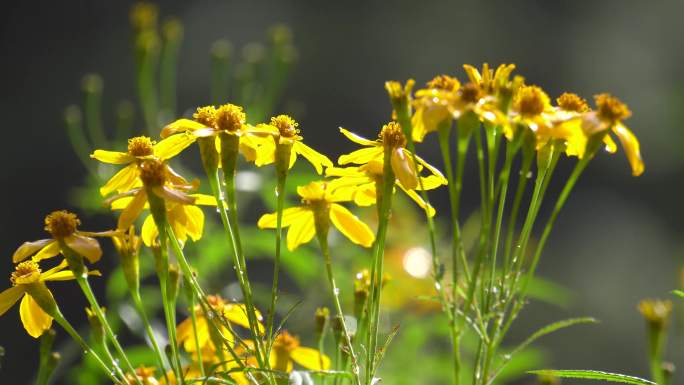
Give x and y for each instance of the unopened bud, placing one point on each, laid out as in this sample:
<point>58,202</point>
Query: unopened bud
<point>321,318</point>
<point>96,328</point>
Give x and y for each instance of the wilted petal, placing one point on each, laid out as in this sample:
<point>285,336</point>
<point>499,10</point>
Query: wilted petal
<point>87,247</point>
<point>29,248</point>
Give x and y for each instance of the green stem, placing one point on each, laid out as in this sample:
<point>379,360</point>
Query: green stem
<point>334,290</point>
<point>137,301</point>
<point>528,157</point>
<point>193,318</point>
<point>59,317</point>
<point>280,204</point>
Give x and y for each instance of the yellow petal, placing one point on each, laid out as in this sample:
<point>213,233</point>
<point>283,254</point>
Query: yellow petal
<point>237,314</point>
<point>301,231</point>
<point>35,320</point>
<point>403,168</point>
<point>204,200</point>
<point>149,232</point>
<point>112,157</point>
<point>419,129</point>
<point>66,275</point>
<point>9,297</point>
<point>351,226</point>
<point>248,148</point>
<point>366,195</point>
<point>86,247</point>
<point>122,181</point>
<point>419,200</point>
<point>29,248</point>
<point>181,125</point>
<point>290,215</point>
<point>310,358</point>
<point>173,145</point>
<point>430,168</point>
<point>172,195</point>
<point>358,139</point>
<point>317,159</point>
<point>48,251</point>
<point>194,221</point>
<point>132,211</point>
<point>344,171</point>
<point>362,156</point>
<point>473,74</point>
<point>265,154</point>
<point>611,147</point>
<point>631,146</point>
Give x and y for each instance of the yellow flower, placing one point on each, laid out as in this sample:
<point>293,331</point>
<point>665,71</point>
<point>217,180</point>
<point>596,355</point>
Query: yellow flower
<point>28,283</point>
<point>492,83</point>
<point>286,350</point>
<point>139,149</point>
<point>609,114</point>
<point>319,207</point>
<point>392,138</point>
<point>361,184</point>
<point>233,313</point>
<point>62,226</point>
<point>286,132</point>
<point>569,106</point>
<point>186,219</point>
<point>531,109</point>
<point>144,374</point>
<point>433,105</point>
<point>228,119</point>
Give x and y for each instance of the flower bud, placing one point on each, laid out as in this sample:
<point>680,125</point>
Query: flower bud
<point>96,328</point>
<point>321,319</point>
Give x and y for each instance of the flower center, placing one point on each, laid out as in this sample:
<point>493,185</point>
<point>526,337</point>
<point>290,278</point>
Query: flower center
<point>572,102</point>
<point>141,146</point>
<point>444,82</point>
<point>25,272</point>
<point>153,172</point>
<point>611,108</point>
<point>61,224</point>
<point>285,343</point>
<point>229,117</point>
<point>531,101</point>
<point>285,125</point>
<point>392,135</point>
<point>470,93</point>
<point>206,115</point>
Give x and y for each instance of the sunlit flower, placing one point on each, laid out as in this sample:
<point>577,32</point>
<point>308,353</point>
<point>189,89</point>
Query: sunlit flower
<point>361,183</point>
<point>287,350</point>
<point>228,119</point>
<point>139,149</point>
<point>491,82</point>
<point>392,138</point>
<point>286,132</point>
<point>63,227</point>
<point>531,110</point>
<point>433,105</point>
<point>233,313</point>
<point>319,207</point>
<point>186,219</point>
<point>144,374</point>
<point>28,283</point>
<point>569,106</point>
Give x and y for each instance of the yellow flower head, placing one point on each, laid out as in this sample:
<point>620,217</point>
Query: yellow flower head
<point>392,136</point>
<point>287,127</point>
<point>611,109</point>
<point>571,102</point>
<point>531,101</point>
<point>206,116</point>
<point>444,82</point>
<point>656,312</point>
<point>287,349</point>
<point>153,172</point>
<point>61,224</point>
<point>397,92</point>
<point>229,117</point>
<point>319,203</point>
<point>25,272</point>
<point>143,16</point>
<point>141,146</point>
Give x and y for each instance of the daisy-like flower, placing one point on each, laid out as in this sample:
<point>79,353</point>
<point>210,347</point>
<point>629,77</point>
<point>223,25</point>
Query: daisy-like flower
<point>433,105</point>
<point>319,207</point>
<point>63,227</point>
<point>361,183</point>
<point>491,82</point>
<point>286,133</point>
<point>210,122</point>
<point>233,313</point>
<point>185,218</point>
<point>531,110</point>
<point>391,139</point>
<point>287,350</point>
<point>569,106</point>
<point>37,303</point>
<point>139,149</point>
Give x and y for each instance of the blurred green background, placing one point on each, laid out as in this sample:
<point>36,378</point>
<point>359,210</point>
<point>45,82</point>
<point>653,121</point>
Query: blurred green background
<point>619,239</point>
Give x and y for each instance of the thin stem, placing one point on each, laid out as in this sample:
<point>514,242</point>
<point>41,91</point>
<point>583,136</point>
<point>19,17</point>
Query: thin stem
<point>193,319</point>
<point>86,348</point>
<point>527,158</point>
<point>280,204</point>
<point>137,301</point>
<point>335,293</point>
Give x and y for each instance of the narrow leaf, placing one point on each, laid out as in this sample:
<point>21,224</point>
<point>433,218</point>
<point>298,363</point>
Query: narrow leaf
<point>678,292</point>
<point>594,375</point>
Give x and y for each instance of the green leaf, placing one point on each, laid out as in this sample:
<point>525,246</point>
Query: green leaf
<point>678,292</point>
<point>593,375</point>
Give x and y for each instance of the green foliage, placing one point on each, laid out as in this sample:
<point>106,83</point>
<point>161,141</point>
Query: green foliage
<point>593,375</point>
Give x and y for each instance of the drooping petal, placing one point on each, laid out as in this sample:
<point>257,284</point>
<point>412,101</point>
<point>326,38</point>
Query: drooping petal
<point>173,195</point>
<point>194,221</point>
<point>35,320</point>
<point>630,144</point>
<point>351,226</point>
<point>9,297</point>
<point>149,232</point>
<point>49,251</point>
<point>204,199</point>
<point>310,358</point>
<point>122,181</point>
<point>358,138</point>
<point>361,156</point>
<point>29,248</point>
<point>169,147</point>
<point>403,168</point>
<point>301,231</point>
<point>265,153</point>
<point>419,200</point>
<point>430,168</point>
<point>317,159</point>
<point>132,211</point>
<point>67,275</point>
<point>112,157</point>
<point>611,147</point>
<point>87,247</point>
<point>290,215</point>
<point>181,125</point>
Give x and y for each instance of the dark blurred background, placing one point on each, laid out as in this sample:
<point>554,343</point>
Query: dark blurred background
<point>618,241</point>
